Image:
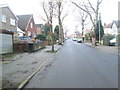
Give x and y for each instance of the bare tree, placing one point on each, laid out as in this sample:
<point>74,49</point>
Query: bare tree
<point>81,18</point>
<point>90,9</point>
<point>46,11</point>
<point>60,19</point>
<point>49,10</point>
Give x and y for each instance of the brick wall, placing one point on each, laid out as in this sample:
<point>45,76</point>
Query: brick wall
<point>31,28</point>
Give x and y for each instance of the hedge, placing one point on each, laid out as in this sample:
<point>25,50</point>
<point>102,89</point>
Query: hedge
<point>107,38</point>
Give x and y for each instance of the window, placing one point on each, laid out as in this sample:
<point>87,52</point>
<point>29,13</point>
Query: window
<point>12,21</point>
<point>29,33</point>
<point>2,18</point>
<point>31,25</point>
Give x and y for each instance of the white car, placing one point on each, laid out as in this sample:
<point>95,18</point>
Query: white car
<point>79,40</point>
<point>112,42</point>
<point>74,39</point>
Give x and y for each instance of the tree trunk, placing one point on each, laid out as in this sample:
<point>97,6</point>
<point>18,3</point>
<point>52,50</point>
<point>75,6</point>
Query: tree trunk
<point>52,39</point>
<point>60,24</point>
<point>53,44</point>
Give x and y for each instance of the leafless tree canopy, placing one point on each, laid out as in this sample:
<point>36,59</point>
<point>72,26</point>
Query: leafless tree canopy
<point>61,17</point>
<point>90,9</point>
<point>49,10</point>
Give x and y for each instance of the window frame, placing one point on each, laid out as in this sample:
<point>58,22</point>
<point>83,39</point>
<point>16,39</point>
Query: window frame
<point>31,25</point>
<point>3,18</point>
<point>12,22</point>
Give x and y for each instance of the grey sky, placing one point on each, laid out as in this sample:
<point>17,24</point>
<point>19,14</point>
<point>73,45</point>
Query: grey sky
<point>108,9</point>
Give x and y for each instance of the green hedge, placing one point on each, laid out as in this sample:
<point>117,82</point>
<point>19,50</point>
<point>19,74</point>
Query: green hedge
<point>118,39</point>
<point>41,37</point>
<point>107,38</point>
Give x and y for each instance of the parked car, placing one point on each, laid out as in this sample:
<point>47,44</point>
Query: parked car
<point>74,39</point>
<point>112,42</point>
<point>24,38</point>
<point>79,40</point>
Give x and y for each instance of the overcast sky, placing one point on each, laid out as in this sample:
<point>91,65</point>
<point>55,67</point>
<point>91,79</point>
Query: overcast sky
<point>108,9</point>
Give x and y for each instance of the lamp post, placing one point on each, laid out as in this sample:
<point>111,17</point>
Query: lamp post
<point>99,27</point>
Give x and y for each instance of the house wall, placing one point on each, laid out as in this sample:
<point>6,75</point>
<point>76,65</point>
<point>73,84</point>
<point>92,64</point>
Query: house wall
<point>5,31</point>
<point>114,29</point>
<point>39,30</point>
<point>118,30</point>
<point>6,26</point>
<point>31,31</point>
<point>107,31</point>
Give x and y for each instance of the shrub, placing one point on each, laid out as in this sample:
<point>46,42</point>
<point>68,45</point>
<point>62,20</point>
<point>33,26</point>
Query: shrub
<point>118,39</point>
<point>41,37</point>
<point>87,36</point>
<point>107,38</point>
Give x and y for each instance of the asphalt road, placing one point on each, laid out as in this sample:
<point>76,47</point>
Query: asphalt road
<point>78,66</point>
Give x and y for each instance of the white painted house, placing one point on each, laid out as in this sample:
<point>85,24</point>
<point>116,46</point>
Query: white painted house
<point>108,28</point>
<point>112,28</point>
<point>115,26</point>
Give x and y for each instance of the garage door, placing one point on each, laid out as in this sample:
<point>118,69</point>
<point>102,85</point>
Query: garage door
<point>6,43</point>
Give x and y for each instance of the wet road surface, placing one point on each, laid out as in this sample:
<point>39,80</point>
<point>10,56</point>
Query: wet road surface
<point>78,66</point>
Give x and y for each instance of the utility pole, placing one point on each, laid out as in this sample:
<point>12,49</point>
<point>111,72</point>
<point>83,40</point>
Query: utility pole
<point>99,27</point>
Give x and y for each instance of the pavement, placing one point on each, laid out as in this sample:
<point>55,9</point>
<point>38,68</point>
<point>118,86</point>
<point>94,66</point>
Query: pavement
<point>17,68</point>
<point>106,49</point>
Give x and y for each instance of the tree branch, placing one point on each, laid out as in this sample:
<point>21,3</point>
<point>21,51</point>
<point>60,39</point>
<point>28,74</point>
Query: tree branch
<point>44,9</point>
<point>100,2</point>
<point>64,16</point>
<point>91,6</point>
<point>78,6</point>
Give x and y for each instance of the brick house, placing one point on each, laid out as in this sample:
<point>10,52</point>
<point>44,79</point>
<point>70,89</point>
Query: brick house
<point>8,29</point>
<point>26,23</point>
<point>39,28</point>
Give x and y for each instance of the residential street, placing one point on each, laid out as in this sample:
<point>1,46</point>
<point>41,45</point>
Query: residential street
<point>59,44</point>
<point>78,66</point>
<point>17,70</point>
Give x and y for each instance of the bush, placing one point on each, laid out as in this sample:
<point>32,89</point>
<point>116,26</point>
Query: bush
<point>118,39</point>
<point>48,38</point>
<point>41,37</point>
<point>87,36</point>
<point>107,38</point>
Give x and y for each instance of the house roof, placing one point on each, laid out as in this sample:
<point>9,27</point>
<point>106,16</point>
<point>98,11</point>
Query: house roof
<point>6,6</point>
<point>23,21</point>
<point>117,23</point>
<point>108,25</point>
